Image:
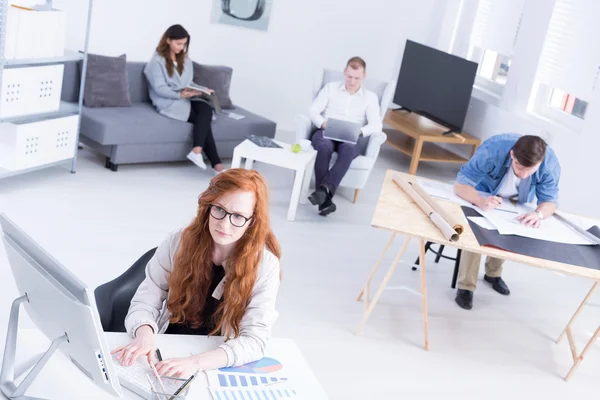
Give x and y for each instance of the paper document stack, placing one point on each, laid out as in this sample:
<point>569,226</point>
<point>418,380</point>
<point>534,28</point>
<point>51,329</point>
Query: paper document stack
<point>32,34</point>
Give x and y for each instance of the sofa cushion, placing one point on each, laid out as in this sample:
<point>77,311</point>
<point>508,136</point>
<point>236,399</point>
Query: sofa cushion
<point>106,82</point>
<point>141,123</point>
<point>215,77</point>
<point>138,84</point>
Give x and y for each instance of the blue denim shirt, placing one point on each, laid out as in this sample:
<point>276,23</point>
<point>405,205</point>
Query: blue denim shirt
<point>486,170</point>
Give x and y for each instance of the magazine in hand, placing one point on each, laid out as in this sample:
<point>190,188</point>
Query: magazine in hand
<point>206,95</point>
<point>200,88</point>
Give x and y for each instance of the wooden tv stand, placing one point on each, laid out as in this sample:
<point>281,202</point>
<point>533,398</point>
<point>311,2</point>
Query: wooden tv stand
<point>416,136</point>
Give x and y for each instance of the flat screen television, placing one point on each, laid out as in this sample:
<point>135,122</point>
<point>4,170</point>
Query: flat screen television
<point>435,84</point>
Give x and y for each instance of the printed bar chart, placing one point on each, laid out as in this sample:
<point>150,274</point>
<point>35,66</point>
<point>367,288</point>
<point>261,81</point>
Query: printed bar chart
<point>242,380</point>
<point>254,394</point>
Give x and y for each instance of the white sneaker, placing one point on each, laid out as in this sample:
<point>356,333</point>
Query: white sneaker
<point>215,172</point>
<point>197,159</point>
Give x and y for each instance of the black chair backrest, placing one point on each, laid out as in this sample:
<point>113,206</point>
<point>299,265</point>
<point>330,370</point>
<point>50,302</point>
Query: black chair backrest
<point>113,298</point>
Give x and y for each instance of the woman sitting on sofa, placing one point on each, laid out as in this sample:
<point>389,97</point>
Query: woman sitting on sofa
<point>169,72</point>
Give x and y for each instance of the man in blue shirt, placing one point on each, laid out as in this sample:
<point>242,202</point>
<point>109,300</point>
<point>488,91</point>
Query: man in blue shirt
<point>505,167</point>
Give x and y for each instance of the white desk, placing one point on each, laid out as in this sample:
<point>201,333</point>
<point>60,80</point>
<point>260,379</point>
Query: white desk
<point>60,379</point>
<point>303,163</point>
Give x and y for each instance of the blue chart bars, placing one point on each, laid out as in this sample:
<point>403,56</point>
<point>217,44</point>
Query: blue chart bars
<point>254,381</point>
<point>253,394</point>
<point>238,380</point>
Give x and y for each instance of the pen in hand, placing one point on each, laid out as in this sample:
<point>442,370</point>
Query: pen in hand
<point>183,386</point>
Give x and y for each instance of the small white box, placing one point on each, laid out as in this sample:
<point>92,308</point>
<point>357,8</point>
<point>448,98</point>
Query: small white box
<point>30,90</point>
<point>27,145</point>
<point>13,93</point>
<point>45,84</point>
<point>21,146</point>
<point>62,134</point>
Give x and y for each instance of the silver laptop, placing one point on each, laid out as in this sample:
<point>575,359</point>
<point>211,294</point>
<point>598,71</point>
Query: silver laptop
<point>342,131</point>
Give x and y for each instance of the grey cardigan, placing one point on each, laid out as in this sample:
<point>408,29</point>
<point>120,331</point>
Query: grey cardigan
<point>148,306</point>
<point>165,90</point>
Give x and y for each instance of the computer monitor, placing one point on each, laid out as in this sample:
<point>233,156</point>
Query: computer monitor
<point>60,305</point>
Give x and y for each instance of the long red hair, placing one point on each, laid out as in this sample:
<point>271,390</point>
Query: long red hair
<point>192,272</point>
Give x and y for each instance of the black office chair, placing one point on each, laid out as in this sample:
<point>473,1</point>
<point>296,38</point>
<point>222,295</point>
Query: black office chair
<point>439,254</point>
<point>113,298</point>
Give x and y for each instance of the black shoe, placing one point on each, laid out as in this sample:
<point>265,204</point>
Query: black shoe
<point>318,197</point>
<point>464,299</point>
<point>327,207</point>
<point>498,285</point>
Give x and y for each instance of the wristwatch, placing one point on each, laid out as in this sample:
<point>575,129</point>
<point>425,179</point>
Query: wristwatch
<point>539,214</point>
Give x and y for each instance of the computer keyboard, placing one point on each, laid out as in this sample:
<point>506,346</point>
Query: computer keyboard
<point>134,377</point>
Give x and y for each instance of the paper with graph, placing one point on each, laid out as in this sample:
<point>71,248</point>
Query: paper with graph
<point>266,393</point>
<point>262,379</point>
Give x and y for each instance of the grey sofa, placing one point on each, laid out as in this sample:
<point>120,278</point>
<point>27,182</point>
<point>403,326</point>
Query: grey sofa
<point>139,134</point>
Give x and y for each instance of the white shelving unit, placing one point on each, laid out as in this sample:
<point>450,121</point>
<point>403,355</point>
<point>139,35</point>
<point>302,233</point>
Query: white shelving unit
<point>66,109</point>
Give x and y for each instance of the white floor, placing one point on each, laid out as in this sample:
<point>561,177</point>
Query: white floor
<point>98,222</point>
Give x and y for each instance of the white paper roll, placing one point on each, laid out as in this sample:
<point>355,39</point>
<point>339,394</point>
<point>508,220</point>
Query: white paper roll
<point>448,232</point>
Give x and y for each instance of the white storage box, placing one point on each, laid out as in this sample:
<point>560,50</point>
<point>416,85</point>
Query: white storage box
<point>28,145</point>
<point>62,136</point>
<point>32,34</point>
<point>30,90</point>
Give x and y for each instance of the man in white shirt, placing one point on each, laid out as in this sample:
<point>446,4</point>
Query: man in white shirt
<point>348,101</point>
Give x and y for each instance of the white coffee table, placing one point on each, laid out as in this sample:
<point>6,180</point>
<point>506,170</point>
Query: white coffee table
<point>303,163</point>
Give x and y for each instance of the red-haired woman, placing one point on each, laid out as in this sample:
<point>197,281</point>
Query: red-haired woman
<point>219,276</point>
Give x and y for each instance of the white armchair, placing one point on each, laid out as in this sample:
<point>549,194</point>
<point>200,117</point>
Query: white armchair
<point>361,167</point>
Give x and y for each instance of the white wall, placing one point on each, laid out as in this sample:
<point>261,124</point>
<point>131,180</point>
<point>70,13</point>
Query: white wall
<point>273,70</point>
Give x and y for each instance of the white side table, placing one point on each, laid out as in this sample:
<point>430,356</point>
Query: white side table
<point>303,163</point>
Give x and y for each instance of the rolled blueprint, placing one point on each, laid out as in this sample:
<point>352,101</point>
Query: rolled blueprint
<point>453,222</point>
<point>449,233</point>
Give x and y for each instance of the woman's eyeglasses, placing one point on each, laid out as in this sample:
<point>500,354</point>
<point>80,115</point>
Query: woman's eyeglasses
<point>236,219</point>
